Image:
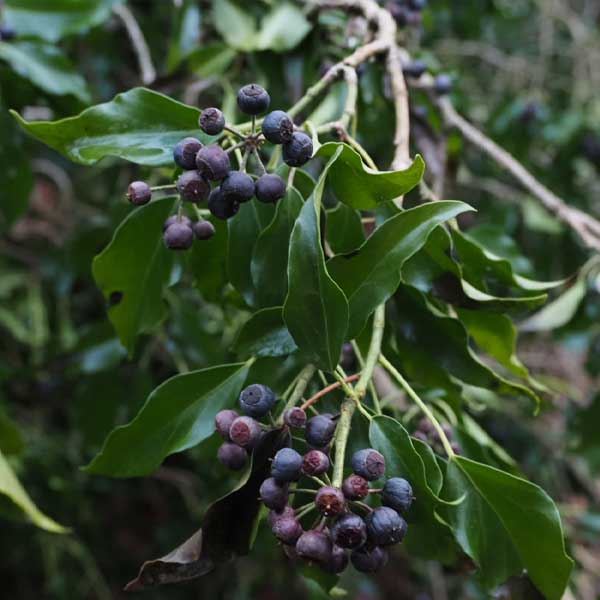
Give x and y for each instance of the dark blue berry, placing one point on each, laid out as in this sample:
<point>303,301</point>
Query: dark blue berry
<point>319,431</point>
<point>232,456</point>
<point>337,562</point>
<point>368,463</point>
<point>397,493</point>
<point>139,193</point>
<point>220,207</point>
<point>314,546</point>
<point>253,99</point>
<point>257,400</point>
<point>203,230</point>
<point>277,127</point>
<point>237,187</point>
<point>417,4</point>
<point>287,530</point>
<point>174,219</point>
<point>270,188</point>
<point>7,33</point>
<point>185,153</point>
<point>442,84</point>
<point>355,487</point>
<point>213,162</point>
<point>286,465</point>
<point>385,526</point>
<point>223,422</point>
<point>192,187</point>
<point>315,463</point>
<point>274,495</point>
<point>369,560</point>
<point>330,501</point>
<point>178,236</point>
<point>295,417</point>
<point>245,432</point>
<point>349,531</point>
<point>414,69</point>
<point>298,150</point>
<point>212,121</point>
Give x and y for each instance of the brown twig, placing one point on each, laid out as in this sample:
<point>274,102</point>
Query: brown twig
<point>328,389</point>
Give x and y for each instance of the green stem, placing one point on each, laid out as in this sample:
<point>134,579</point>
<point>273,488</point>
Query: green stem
<point>372,390</point>
<point>169,186</point>
<point>304,491</point>
<point>303,380</point>
<point>349,406</point>
<point>363,153</point>
<point>235,132</point>
<point>414,396</point>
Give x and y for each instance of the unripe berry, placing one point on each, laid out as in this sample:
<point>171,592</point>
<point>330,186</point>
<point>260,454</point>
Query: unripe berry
<point>287,530</point>
<point>368,463</point>
<point>319,431</point>
<point>237,187</point>
<point>369,560</point>
<point>253,99</point>
<point>397,494</point>
<point>257,400</point>
<point>315,463</point>
<point>330,501</point>
<point>338,561</point>
<point>286,465</point>
<point>213,162</point>
<point>414,69</point>
<point>223,421</point>
<point>273,494</point>
<point>314,546</point>
<point>349,531</point>
<point>442,84</point>
<point>295,417</point>
<point>193,187</point>
<point>385,526</point>
<point>220,207</point>
<point>270,188</point>
<point>176,219</point>
<point>178,236</point>
<point>212,121</point>
<point>139,193</point>
<point>245,432</point>
<point>298,150</point>
<point>277,127</point>
<point>355,487</point>
<point>232,456</point>
<point>203,230</point>
<point>185,153</point>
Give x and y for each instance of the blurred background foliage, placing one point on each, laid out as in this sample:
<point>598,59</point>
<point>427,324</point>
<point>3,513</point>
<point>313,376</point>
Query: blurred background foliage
<point>527,72</point>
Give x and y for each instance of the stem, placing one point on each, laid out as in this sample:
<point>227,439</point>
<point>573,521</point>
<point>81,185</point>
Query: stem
<point>234,148</point>
<point>291,175</point>
<point>170,186</point>
<point>303,380</point>
<point>304,491</point>
<point>253,124</point>
<point>200,212</point>
<point>259,162</point>
<point>348,407</point>
<point>362,505</point>
<point>372,389</point>
<point>234,132</point>
<point>363,153</point>
<point>244,161</point>
<point>317,480</point>
<point>326,390</point>
<point>414,396</point>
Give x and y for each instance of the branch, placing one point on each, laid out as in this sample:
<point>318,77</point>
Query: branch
<point>586,226</point>
<point>140,47</point>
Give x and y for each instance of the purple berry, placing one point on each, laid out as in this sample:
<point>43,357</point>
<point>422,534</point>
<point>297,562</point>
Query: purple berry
<point>232,456</point>
<point>287,530</point>
<point>315,463</point>
<point>237,187</point>
<point>270,188</point>
<point>212,121</point>
<point>223,422</point>
<point>178,236</point>
<point>245,432</point>
<point>397,493</point>
<point>277,127</point>
<point>355,487</point>
<point>253,99</point>
<point>220,207</point>
<point>368,463</point>
<point>139,193</point>
<point>338,561</point>
<point>203,230</point>
<point>349,531</point>
<point>286,465</point>
<point>295,417</point>
<point>330,501</point>
<point>274,495</point>
<point>298,150</point>
<point>175,219</point>
<point>193,187</point>
<point>213,162</point>
<point>385,526</point>
<point>257,400</point>
<point>319,430</point>
<point>369,560</point>
<point>314,546</point>
<point>185,153</point>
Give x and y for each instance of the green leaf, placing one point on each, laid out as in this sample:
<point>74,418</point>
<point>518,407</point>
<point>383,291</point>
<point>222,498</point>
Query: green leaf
<point>359,186</point>
<point>140,125</point>
<point>344,229</point>
<point>11,440</point>
<point>507,524</point>
<point>265,334</point>
<point>227,530</point>
<point>177,415</point>
<point>427,536</point>
<point>270,256</point>
<point>53,19</point>
<point>46,67</point>
<point>210,60</point>
<point>371,275</point>
<point>236,26</point>
<point>316,309</point>
<point>14,491</point>
<point>186,36</point>
<point>133,270</point>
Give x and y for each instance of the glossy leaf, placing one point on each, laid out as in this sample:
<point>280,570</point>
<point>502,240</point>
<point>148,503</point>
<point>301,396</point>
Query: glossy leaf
<point>345,231</point>
<point>371,275</point>
<point>133,269</point>
<point>11,488</point>
<point>46,67</point>
<point>518,527</point>
<point>53,19</point>
<point>227,528</point>
<point>316,309</point>
<point>265,334</point>
<point>177,415</point>
<point>359,186</point>
<point>140,125</point>
<point>270,256</point>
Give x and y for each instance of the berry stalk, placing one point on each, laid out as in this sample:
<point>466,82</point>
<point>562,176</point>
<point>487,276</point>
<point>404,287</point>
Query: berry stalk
<point>303,380</point>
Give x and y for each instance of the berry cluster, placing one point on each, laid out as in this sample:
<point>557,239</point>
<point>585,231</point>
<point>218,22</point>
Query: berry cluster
<point>208,175</point>
<point>427,433</point>
<point>340,534</point>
